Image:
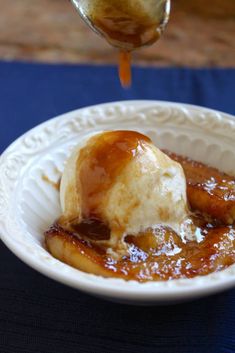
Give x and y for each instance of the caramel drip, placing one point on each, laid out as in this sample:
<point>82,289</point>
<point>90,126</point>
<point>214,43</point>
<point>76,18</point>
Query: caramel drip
<point>54,184</point>
<point>125,68</point>
<point>127,26</point>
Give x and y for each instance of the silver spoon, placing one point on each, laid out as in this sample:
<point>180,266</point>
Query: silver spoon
<point>125,24</point>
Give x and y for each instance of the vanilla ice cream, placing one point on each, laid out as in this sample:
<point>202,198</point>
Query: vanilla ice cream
<point>123,180</point>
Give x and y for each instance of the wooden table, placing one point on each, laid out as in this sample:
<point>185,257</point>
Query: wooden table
<point>200,33</point>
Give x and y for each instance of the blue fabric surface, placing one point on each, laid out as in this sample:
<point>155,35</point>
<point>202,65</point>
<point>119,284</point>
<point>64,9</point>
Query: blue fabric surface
<point>31,93</point>
<point>41,316</point>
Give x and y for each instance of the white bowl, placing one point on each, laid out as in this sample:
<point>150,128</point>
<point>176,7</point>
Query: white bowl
<point>28,205</point>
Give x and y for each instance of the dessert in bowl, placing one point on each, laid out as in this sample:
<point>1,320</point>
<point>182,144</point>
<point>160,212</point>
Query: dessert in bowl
<point>153,255</point>
<point>126,212</point>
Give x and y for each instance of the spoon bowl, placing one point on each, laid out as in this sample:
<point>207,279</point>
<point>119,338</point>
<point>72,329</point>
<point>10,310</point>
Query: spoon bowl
<point>125,24</point>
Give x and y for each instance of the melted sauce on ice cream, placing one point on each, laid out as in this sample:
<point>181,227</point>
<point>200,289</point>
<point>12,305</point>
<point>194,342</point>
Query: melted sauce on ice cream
<point>100,166</point>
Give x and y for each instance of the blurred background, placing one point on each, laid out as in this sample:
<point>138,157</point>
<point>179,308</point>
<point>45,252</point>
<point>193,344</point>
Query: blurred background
<point>200,34</point>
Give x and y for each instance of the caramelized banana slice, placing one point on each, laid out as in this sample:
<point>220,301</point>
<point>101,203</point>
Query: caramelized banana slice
<point>152,256</point>
<point>76,252</point>
<point>208,190</point>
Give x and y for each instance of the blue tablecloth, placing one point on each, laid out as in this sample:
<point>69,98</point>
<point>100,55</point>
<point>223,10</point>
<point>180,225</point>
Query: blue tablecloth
<point>38,315</point>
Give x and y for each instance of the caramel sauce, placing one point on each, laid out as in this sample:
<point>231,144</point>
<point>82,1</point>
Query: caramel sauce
<point>124,26</point>
<point>54,184</point>
<point>155,255</point>
<point>127,26</point>
<point>125,68</point>
<point>92,229</point>
<point>99,166</point>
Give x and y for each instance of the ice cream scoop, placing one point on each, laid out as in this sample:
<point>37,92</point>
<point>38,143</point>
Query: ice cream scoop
<point>123,181</point>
